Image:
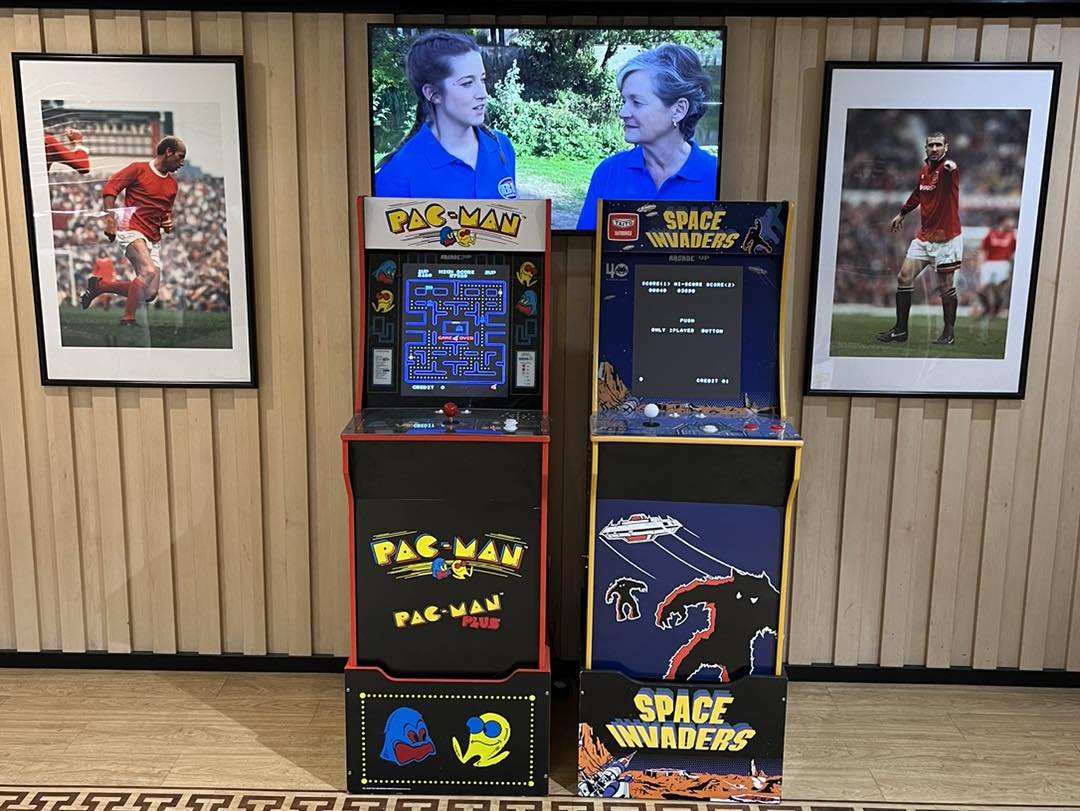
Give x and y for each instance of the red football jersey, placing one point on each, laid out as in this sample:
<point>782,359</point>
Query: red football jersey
<point>147,193</point>
<point>104,269</point>
<point>998,245</point>
<point>938,199</point>
<point>76,157</point>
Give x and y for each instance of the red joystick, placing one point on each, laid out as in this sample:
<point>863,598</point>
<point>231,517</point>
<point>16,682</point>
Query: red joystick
<point>750,425</point>
<point>776,428</point>
<point>449,410</point>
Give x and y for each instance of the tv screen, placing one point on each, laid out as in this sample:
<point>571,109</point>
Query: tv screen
<point>571,114</point>
<point>455,330</point>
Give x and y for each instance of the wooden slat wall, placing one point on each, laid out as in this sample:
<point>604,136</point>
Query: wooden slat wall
<point>929,532</point>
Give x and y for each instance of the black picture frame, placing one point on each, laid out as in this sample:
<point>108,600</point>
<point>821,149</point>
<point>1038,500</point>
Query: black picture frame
<point>198,329</point>
<point>857,194</point>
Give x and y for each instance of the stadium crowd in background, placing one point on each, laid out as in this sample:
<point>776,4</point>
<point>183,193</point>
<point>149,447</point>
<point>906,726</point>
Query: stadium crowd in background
<point>194,257</point>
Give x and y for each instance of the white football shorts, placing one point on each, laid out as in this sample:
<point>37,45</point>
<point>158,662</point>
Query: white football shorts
<point>944,257</point>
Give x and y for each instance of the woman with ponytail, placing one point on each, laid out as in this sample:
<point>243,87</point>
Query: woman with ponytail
<point>449,152</point>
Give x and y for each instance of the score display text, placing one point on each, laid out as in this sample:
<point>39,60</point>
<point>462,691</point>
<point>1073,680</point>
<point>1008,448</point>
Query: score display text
<point>687,332</point>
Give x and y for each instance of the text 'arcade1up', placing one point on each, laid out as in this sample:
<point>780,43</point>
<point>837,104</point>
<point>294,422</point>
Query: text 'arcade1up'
<point>448,682</point>
<point>693,479</point>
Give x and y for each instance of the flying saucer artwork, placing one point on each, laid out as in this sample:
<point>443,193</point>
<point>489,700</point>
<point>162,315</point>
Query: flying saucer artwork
<point>640,528</point>
<point>686,591</point>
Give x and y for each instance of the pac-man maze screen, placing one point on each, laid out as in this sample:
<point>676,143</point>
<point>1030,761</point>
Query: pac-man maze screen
<point>455,329</point>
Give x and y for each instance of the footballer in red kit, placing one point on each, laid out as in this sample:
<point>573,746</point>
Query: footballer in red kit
<point>74,154</point>
<point>938,243</point>
<point>149,191</point>
<point>995,266</point>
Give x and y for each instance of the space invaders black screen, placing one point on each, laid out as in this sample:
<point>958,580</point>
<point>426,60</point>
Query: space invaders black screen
<point>687,331</point>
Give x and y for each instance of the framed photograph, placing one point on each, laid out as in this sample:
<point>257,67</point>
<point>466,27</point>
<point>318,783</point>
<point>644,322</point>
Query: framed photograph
<point>931,189</point>
<point>135,181</point>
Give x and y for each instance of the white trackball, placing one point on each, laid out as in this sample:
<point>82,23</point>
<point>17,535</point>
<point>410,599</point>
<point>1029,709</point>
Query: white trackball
<point>651,410</point>
<point>709,429</point>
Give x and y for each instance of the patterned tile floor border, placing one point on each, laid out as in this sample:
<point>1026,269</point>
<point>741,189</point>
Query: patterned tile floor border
<point>23,798</point>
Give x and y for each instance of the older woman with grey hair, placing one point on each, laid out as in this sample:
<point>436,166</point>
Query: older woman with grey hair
<point>664,93</point>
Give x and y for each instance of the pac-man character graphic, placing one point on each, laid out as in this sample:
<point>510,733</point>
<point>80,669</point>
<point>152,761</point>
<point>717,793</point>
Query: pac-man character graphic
<point>466,238</point>
<point>406,738</point>
<point>527,304</point>
<point>488,735</point>
<point>527,274</point>
<point>460,569</point>
<point>385,272</point>
<point>384,301</point>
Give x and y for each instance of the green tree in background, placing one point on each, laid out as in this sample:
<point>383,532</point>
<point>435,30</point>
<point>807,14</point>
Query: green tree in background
<point>580,59</point>
<point>553,89</point>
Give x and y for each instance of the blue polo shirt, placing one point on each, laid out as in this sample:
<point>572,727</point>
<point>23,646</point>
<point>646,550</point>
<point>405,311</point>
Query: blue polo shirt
<point>423,168</point>
<point>624,177</point>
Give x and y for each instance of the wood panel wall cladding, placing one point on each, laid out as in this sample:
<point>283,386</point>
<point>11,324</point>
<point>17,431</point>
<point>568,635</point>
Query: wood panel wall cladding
<point>929,532</point>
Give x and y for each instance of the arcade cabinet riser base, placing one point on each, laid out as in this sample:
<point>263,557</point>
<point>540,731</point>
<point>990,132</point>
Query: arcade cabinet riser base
<point>705,741</point>
<point>458,737</point>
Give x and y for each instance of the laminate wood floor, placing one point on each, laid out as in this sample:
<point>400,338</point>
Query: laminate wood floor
<point>845,743</point>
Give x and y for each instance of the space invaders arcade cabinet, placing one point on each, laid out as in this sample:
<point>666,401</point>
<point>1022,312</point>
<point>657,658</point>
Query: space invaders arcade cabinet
<point>694,472</point>
<point>447,688</point>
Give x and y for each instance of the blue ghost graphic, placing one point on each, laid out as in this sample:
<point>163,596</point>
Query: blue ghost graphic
<point>406,738</point>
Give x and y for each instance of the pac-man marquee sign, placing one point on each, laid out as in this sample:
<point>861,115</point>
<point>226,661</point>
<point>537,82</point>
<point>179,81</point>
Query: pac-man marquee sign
<point>455,225</point>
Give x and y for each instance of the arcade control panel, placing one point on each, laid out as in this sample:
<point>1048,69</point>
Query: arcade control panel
<point>448,420</point>
<point>688,422</point>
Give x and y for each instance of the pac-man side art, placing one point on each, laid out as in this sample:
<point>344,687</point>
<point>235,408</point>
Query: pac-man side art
<point>406,739</point>
<point>488,735</point>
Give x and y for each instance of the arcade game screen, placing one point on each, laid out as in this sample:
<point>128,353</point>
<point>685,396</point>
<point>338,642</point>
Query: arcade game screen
<point>688,336</point>
<point>455,330</point>
<point>462,327</point>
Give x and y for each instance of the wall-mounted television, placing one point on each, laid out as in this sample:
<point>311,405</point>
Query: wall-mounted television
<point>570,114</point>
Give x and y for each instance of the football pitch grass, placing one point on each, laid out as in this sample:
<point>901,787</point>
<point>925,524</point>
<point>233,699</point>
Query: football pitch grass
<point>855,335</point>
<point>168,329</point>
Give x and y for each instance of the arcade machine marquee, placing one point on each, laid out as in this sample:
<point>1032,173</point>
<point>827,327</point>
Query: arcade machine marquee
<point>448,682</point>
<point>694,471</point>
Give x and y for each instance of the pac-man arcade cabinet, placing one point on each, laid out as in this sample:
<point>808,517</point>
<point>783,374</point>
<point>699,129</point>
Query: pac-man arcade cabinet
<point>447,687</point>
<point>694,472</point>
